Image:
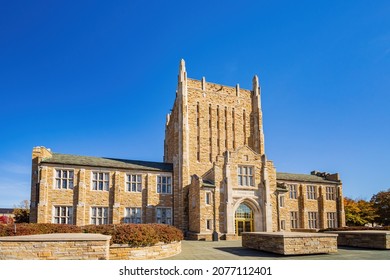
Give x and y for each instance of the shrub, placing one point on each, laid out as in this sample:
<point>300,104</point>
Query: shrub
<point>30,229</point>
<point>135,235</point>
<point>138,235</point>
<point>6,220</point>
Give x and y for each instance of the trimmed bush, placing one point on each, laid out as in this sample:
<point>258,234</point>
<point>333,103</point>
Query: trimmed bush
<point>135,235</point>
<point>30,229</point>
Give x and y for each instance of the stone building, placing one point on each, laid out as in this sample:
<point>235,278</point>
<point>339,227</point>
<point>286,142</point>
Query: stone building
<point>215,181</point>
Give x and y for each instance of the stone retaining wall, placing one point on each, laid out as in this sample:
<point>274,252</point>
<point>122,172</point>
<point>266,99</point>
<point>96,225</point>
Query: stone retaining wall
<point>158,251</point>
<point>57,246</point>
<point>376,239</point>
<point>290,243</point>
<point>78,246</point>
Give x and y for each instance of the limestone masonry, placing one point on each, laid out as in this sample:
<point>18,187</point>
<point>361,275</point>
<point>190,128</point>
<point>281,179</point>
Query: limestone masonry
<point>215,182</point>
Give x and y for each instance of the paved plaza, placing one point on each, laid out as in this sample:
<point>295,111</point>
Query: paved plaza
<point>232,250</point>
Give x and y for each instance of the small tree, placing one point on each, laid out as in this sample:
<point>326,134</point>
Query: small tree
<point>352,213</point>
<point>22,212</point>
<point>367,211</point>
<point>359,213</point>
<point>6,220</point>
<point>381,203</point>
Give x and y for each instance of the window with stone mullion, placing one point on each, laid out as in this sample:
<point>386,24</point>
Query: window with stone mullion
<point>245,175</point>
<point>64,179</point>
<point>133,215</point>
<point>164,184</point>
<point>63,215</point>
<point>100,181</point>
<point>134,183</point>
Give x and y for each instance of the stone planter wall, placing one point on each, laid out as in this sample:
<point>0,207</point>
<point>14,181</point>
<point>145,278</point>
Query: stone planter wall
<point>57,246</point>
<point>290,243</point>
<point>78,246</point>
<point>158,251</point>
<point>376,239</point>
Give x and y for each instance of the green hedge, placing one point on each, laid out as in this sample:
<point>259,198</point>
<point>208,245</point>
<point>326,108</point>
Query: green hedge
<point>136,235</point>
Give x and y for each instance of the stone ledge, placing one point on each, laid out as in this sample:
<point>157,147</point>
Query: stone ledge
<point>375,239</point>
<point>294,234</point>
<point>291,243</point>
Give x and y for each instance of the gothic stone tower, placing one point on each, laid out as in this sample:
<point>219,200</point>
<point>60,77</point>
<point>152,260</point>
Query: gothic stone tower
<point>222,179</point>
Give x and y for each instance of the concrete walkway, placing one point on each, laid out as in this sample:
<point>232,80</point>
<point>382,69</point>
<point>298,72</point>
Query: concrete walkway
<point>232,250</point>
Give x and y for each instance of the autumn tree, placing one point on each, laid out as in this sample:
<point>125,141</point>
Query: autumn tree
<point>367,211</point>
<point>22,212</point>
<point>6,220</point>
<point>381,203</point>
<point>359,212</point>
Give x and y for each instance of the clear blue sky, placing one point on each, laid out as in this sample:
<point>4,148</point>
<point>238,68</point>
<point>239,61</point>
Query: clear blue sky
<point>98,77</point>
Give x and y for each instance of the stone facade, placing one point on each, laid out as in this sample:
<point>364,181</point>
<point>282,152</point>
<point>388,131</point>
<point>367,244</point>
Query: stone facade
<point>83,196</point>
<point>220,180</point>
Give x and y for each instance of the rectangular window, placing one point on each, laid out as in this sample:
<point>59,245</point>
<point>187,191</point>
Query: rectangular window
<point>245,176</point>
<point>99,215</point>
<point>281,201</point>
<point>330,193</point>
<point>64,179</point>
<point>164,184</point>
<point>312,219</point>
<point>63,215</point>
<point>208,198</point>
<point>100,181</point>
<point>294,219</point>
<point>311,192</point>
<point>164,215</point>
<point>282,224</point>
<point>293,191</point>
<point>332,219</point>
<point>133,182</point>
<point>133,215</point>
<point>209,224</point>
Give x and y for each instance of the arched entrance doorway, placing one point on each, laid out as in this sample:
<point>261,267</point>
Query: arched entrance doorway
<point>243,219</point>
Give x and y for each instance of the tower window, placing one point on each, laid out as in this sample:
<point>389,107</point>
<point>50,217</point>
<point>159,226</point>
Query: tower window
<point>245,176</point>
<point>208,198</point>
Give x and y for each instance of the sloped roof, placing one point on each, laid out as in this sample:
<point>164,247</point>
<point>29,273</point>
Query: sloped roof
<point>108,162</point>
<point>302,178</point>
<point>6,210</point>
